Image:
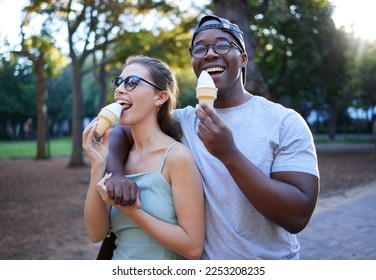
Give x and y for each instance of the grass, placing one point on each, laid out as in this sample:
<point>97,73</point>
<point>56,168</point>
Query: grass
<point>63,146</point>
<point>346,138</point>
<point>58,146</point>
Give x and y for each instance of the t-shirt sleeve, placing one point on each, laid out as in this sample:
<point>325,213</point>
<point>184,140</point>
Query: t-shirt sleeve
<point>181,115</point>
<point>296,150</point>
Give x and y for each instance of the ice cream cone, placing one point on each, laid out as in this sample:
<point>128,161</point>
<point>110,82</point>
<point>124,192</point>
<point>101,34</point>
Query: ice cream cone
<point>107,117</point>
<point>206,95</point>
<point>206,91</point>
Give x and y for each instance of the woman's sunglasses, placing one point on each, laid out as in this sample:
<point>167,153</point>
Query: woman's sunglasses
<point>130,82</point>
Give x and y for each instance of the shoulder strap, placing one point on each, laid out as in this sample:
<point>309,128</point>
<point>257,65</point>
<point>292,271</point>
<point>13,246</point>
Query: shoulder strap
<point>165,156</point>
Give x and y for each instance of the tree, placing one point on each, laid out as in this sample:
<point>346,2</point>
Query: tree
<point>95,24</point>
<point>47,61</point>
<point>39,62</point>
<point>296,54</point>
<point>88,23</point>
<point>241,12</point>
<point>92,26</point>
<point>36,49</point>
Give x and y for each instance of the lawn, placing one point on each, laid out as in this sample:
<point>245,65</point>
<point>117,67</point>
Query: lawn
<point>58,146</point>
<point>346,138</point>
<point>63,146</point>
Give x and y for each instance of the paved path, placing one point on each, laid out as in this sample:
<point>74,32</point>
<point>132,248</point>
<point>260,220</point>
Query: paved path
<point>342,227</point>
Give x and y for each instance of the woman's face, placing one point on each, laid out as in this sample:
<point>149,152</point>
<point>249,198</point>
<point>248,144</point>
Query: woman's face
<point>138,103</point>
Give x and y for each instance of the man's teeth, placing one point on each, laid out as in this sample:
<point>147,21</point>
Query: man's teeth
<point>215,69</point>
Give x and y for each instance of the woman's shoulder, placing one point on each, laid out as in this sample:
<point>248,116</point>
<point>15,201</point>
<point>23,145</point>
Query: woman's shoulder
<point>180,154</point>
<point>180,150</point>
<point>179,164</point>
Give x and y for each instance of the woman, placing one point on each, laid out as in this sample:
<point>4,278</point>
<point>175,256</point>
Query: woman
<point>170,222</point>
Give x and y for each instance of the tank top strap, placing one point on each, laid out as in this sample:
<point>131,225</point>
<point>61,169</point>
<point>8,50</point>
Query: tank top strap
<point>165,156</point>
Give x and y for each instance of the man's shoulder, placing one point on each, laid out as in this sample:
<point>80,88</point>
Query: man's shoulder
<point>187,111</point>
<point>271,109</point>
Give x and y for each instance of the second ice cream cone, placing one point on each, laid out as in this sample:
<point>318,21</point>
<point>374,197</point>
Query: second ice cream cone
<point>107,117</point>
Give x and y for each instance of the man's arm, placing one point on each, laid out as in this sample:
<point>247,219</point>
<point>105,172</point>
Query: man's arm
<point>286,198</point>
<point>122,190</point>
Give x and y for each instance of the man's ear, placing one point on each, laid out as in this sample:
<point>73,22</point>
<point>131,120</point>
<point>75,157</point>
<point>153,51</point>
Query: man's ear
<point>244,59</point>
<point>160,98</point>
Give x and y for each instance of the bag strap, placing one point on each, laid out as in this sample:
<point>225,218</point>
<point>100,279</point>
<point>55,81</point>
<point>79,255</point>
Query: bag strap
<point>108,244</point>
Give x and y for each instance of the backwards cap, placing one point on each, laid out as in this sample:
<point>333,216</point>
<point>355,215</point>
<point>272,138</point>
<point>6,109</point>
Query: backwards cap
<point>226,26</point>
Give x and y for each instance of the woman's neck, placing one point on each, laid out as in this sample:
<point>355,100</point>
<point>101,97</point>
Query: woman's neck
<point>147,135</point>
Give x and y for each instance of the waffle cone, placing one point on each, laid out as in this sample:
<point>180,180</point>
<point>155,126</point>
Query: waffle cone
<point>106,119</point>
<point>206,95</point>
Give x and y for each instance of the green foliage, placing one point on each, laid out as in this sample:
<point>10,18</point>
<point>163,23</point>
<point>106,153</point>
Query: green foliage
<point>59,98</point>
<point>307,63</point>
<point>169,45</point>
<point>362,70</point>
<point>302,57</point>
<point>17,96</point>
<point>295,43</point>
<point>90,94</point>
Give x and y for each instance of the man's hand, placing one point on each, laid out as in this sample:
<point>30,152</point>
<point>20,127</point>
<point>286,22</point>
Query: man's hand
<point>214,133</point>
<point>123,191</point>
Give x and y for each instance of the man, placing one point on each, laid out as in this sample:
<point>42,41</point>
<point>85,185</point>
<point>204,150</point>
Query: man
<point>257,159</point>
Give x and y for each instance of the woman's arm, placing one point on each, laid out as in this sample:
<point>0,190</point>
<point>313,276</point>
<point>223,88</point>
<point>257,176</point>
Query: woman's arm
<point>96,216</point>
<point>95,210</point>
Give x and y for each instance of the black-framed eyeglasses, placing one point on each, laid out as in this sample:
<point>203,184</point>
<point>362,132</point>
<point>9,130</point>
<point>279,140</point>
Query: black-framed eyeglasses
<point>130,82</point>
<point>221,47</point>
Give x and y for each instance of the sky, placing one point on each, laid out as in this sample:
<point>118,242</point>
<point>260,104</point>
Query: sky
<point>357,16</point>
<point>10,19</point>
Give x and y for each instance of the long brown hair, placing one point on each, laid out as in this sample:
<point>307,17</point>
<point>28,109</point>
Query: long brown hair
<point>164,78</point>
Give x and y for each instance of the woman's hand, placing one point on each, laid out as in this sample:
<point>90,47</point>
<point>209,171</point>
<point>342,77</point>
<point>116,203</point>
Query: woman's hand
<point>122,193</point>
<point>102,189</point>
<point>97,152</point>
<point>103,192</point>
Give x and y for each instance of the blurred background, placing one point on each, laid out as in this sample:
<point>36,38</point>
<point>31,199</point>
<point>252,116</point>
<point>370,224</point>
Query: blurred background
<point>57,59</point>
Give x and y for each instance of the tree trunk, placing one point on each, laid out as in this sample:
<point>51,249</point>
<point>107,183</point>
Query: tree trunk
<point>239,12</point>
<point>76,159</point>
<point>41,107</point>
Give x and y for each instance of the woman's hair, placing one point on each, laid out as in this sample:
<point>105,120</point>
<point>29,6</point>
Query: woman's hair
<point>164,78</point>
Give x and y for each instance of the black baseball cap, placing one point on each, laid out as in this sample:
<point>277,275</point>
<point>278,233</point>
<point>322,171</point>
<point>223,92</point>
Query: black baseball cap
<point>226,26</point>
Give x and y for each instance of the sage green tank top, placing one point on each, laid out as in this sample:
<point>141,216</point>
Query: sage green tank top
<point>132,242</point>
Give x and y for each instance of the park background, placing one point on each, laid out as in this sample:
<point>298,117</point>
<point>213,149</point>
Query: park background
<point>57,62</point>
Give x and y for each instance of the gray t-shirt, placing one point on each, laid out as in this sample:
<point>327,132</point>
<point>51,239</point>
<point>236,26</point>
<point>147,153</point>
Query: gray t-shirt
<point>273,138</point>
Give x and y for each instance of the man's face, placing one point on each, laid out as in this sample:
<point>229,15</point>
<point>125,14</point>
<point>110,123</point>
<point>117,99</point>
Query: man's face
<point>224,69</point>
